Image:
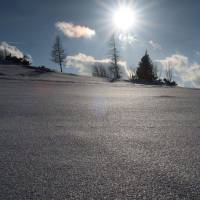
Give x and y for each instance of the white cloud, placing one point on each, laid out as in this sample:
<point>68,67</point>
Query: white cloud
<point>14,51</point>
<point>83,63</point>
<point>155,45</point>
<point>179,62</point>
<point>75,31</point>
<point>185,73</point>
<point>193,75</point>
<point>197,53</point>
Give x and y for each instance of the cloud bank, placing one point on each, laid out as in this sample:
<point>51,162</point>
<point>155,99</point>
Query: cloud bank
<point>83,64</point>
<point>186,73</point>
<point>14,51</point>
<point>75,31</point>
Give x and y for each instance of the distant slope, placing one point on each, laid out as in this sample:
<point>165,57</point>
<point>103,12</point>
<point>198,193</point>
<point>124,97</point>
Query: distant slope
<point>18,72</point>
<point>30,73</point>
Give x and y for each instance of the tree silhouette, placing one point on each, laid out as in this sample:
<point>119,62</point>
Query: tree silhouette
<point>169,76</point>
<point>169,73</point>
<point>8,58</point>
<point>132,74</point>
<point>58,54</point>
<point>99,71</point>
<point>26,60</point>
<point>114,56</point>
<point>3,54</point>
<point>146,70</point>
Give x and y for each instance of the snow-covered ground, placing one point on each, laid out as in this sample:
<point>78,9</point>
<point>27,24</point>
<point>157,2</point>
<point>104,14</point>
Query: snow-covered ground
<point>17,72</point>
<point>73,137</point>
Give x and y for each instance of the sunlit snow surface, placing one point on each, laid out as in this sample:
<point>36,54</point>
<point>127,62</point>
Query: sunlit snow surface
<point>89,139</point>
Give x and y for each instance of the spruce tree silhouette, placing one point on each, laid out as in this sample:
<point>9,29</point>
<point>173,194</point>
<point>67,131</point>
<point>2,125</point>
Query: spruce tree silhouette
<point>145,71</point>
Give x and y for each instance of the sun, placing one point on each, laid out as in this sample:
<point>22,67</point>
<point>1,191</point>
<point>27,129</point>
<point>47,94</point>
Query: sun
<point>124,18</point>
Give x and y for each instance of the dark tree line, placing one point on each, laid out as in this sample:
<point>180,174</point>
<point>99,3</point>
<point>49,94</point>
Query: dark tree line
<point>8,58</point>
<point>147,72</point>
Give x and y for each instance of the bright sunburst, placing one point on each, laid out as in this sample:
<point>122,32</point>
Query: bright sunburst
<point>124,18</point>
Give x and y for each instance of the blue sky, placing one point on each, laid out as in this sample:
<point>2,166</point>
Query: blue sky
<point>169,29</point>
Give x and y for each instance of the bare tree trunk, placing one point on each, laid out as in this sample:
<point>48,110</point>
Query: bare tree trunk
<point>58,54</point>
<point>169,73</point>
<point>60,63</point>
<point>61,67</point>
<point>114,56</point>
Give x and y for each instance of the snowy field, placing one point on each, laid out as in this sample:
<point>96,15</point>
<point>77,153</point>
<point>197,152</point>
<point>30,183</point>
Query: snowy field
<point>70,137</point>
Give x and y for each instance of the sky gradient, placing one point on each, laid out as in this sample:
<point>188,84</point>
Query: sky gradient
<point>168,29</point>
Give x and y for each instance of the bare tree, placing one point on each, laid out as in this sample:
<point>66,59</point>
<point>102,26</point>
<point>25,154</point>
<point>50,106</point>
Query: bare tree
<point>95,70</point>
<point>114,56</point>
<point>169,73</point>
<point>58,54</point>
<point>132,74</point>
<point>169,76</point>
<point>3,53</point>
<point>155,71</point>
<point>103,72</point>
<point>160,71</point>
<point>99,71</point>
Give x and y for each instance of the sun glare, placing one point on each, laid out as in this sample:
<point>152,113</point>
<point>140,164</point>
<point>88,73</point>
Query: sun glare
<point>124,18</point>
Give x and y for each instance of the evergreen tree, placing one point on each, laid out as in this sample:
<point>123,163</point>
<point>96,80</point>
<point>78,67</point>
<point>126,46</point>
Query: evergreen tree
<point>26,60</point>
<point>1,55</point>
<point>58,53</point>
<point>146,70</point>
<point>114,56</point>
